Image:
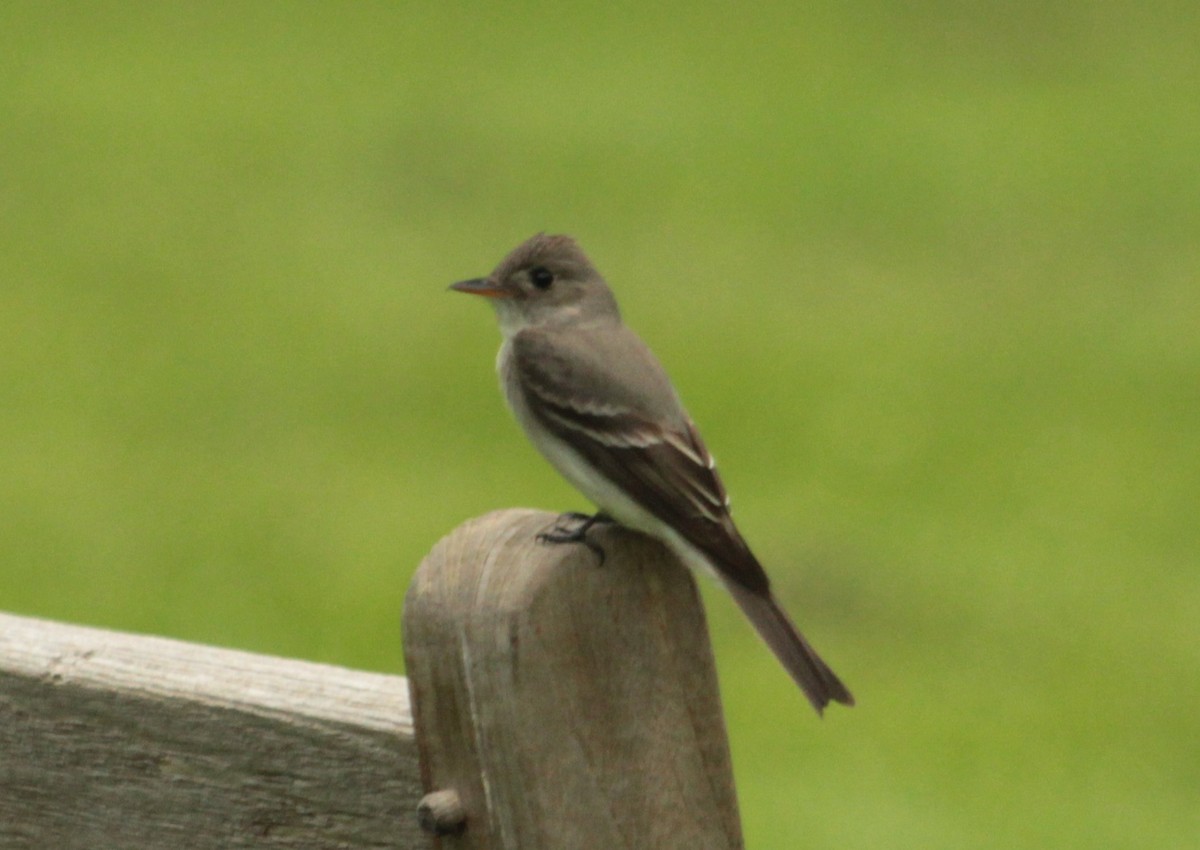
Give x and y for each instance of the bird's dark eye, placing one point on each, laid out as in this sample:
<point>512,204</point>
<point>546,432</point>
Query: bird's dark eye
<point>541,277</point>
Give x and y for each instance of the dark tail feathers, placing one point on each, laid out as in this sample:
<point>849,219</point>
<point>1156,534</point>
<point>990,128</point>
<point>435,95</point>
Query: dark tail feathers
<point>772,623</point>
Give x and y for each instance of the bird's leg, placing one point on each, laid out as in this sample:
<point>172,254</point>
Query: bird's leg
<point>560,534</point>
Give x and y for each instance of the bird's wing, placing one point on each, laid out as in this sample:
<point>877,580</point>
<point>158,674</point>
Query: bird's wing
<point>637,435</point>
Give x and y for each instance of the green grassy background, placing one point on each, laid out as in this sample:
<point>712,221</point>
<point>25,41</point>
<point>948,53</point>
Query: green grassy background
<point>926,275</point>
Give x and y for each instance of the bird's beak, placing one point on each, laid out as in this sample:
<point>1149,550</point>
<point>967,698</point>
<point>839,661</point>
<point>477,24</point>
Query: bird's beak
<point>481,286</point>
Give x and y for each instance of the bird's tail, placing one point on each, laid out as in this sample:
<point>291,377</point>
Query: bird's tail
<point>819,683</point>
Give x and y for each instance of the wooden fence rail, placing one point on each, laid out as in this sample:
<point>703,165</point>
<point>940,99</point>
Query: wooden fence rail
<point>111,741</point>
<point>560,704</point>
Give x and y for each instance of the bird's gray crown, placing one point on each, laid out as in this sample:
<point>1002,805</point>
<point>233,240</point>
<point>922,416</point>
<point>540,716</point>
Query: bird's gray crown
<point>557,252</point>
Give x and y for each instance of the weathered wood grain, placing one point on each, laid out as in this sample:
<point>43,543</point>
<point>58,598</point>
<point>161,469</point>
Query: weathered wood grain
<point>571,705</point>
<point>112,741</point>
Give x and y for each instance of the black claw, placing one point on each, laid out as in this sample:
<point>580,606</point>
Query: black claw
<point>561,534</point>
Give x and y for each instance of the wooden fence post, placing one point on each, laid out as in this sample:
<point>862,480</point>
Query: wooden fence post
<point>561,703</point>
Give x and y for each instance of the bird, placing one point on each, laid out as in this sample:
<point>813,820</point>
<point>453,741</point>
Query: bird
<point>598,405</point>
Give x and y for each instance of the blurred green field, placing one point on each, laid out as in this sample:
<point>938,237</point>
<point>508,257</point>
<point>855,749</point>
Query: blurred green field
<point>927,276</point>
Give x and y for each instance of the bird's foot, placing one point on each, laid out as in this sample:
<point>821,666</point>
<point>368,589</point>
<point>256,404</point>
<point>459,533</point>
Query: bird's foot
<point>561,532</point>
